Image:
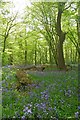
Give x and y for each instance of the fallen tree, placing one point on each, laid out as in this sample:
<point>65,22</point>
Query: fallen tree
<point>32,67</point>
<point>27,67</point>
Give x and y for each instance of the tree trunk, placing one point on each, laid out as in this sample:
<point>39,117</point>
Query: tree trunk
<point>50,56</point>
<point>25,57</point>
<point>40,57</point>
<point>60,54</point>
<point>25,54</point>
<point>46,55</point>
<point>51,49</point>
<point>71,55</point>
<point>61,35</point>
<point>4,46</point>
<point>35,52</point>
<point>11,59</point>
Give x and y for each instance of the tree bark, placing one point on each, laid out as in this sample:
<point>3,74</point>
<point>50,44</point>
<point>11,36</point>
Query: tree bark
<point>5,38</point>
<point>50,55</point>
<point>11,59</point>
<point>35,52</point>
<point>61,35</point>
<point>9,26</point>
<point>60,54</point>
<point>40,58</point>
<point>46,55</point>
<point>25,52</point>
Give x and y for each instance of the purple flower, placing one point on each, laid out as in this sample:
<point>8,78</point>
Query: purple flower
<point>78,107</point>
<point>76,114</point>
<point>44,95</point>
<point>67,93</point>
<point>26,108</point>
<point>23,118</point>
<point>29,111</point>
<point>36,104</point>
<point>39,116</point>
<point>43,104</point>
<point>37,86</point>
<point>29,105</point>
<point>55,108</point>
<point>50,108</point>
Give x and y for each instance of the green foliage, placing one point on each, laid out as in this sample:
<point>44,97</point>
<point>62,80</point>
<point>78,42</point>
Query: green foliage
<point>31,39</point>
<point>52,94</point>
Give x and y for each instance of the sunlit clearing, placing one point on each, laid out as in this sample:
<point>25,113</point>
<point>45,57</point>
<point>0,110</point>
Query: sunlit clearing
<point>19,5</point>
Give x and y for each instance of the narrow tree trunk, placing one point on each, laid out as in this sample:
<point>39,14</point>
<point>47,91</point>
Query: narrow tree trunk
<point>50,57</point>
<point>11,59</point>
<point>40,58</point>
<point>25,54</point>
<point>35,57</point>
<point>25,57</point>
<point>4,46</point>
<point>35,52</point>
<point>71,55</point>
<point>76,54</point>
<point>46,55</point>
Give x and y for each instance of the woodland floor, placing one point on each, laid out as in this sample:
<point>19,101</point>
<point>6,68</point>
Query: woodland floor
<point>52,95</point>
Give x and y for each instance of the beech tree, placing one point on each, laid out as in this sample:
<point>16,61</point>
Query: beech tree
<point>9,25</point>
<point>52,27</point>
<point>47,33</point>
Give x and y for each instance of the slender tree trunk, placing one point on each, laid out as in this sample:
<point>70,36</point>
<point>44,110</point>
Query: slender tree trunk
<point>66,55</point>
<point>35,52</point>
<point>25,56</point>
<point>52,49</point>
<point>11,59</point>
<point>50,56</point>
<point>46,55</point>
<point>40,57</point>
<point>76,54</point>
<point>25,52</point>
<point>4,46</point>
<point>35,57</point>
<point>71,55</point>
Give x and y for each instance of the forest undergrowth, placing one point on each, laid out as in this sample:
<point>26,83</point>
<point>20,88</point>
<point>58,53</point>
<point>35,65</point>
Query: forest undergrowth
<point>52,94</point>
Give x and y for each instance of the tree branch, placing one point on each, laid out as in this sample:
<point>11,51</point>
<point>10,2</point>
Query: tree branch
<point>68,6</point>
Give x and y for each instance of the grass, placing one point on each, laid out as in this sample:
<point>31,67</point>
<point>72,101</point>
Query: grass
<point>53,96</point>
